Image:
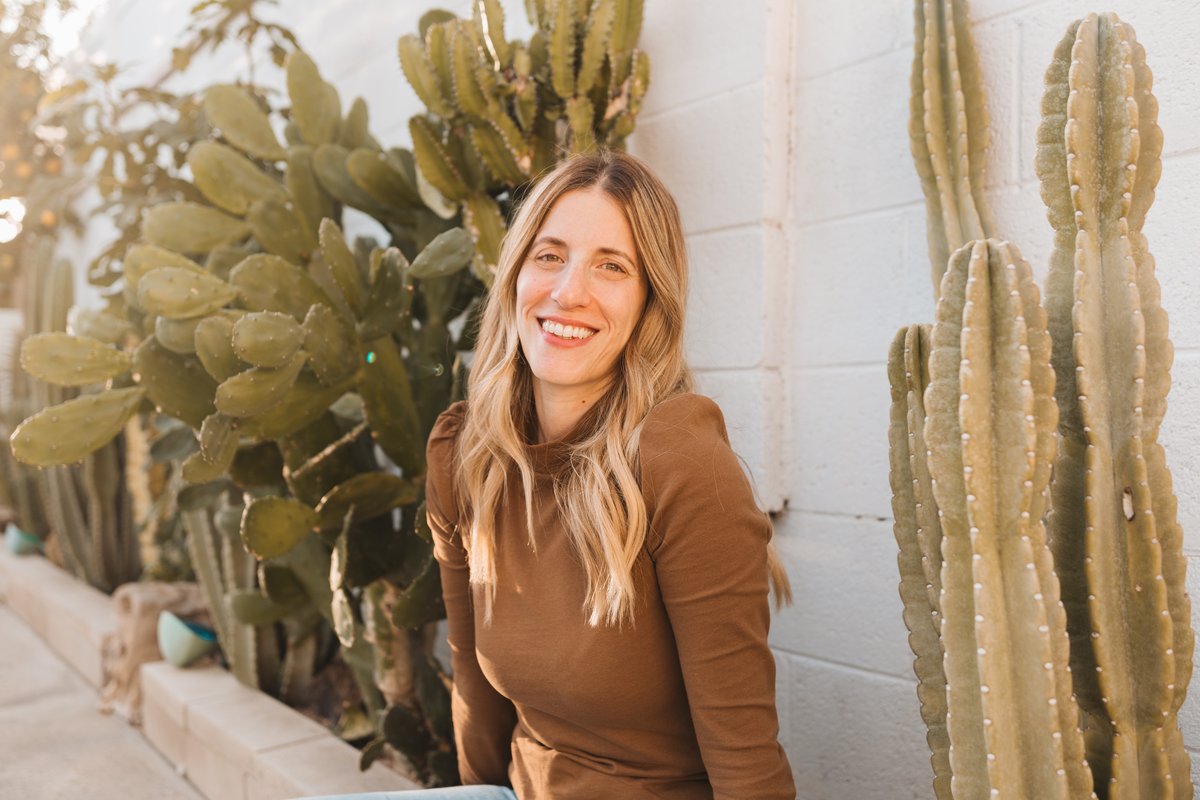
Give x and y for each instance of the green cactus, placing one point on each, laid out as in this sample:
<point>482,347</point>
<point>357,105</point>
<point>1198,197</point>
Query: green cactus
<point>918,530</point>
<point>948,130</point>
<point>1118,544</point>
<point>990,433</point>
<point>1019,705</point>
<point>267,338</point>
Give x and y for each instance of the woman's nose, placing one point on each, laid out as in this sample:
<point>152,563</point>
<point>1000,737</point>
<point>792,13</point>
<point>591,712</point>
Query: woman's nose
<point>571,289</point>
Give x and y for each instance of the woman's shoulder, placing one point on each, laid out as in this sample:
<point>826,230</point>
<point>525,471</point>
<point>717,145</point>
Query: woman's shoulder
<point>684,420</point>
<point>440,494</point>
<point>449,422</point>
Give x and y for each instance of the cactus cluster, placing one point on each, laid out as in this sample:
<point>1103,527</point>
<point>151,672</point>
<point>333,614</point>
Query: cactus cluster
<point>501,111</point>
<point>294,356</point>
<point>1054,647</point>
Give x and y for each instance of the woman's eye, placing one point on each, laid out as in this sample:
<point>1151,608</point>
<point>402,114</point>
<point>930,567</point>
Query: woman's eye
<point>613,266</point>
<point>545,256</point>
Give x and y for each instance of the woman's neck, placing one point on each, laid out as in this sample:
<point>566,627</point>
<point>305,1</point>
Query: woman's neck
<point>558,410</point>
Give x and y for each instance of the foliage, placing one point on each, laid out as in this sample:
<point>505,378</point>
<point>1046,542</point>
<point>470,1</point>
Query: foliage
<point>307,370</point>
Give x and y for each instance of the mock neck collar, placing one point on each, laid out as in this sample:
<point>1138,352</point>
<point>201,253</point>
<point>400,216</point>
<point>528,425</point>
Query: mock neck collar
<point>550,458</point>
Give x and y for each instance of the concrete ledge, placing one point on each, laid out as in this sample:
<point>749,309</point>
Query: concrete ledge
<point>230,742</point>
<point>72,617</point>
<point>238,743</point>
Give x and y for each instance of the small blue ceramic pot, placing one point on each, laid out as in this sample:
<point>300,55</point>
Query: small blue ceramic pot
<point>181,641</point>
<point>20,542</point>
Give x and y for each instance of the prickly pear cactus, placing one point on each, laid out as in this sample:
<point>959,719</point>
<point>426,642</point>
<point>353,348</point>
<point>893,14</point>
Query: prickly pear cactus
<point>1117,541</point>
<point>948,130</point>
<point>295,356</point>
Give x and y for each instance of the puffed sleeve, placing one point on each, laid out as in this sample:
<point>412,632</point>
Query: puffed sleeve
<point>483,718</point>
<point>708,541</point>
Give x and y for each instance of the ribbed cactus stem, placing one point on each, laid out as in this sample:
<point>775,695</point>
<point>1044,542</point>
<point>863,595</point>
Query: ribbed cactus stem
<point>919,536</point>
<point>990,431</point>
<point>948,129</point>
<point>1118,544</point>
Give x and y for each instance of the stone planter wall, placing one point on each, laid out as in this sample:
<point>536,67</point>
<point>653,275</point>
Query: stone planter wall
<point>231,742</point>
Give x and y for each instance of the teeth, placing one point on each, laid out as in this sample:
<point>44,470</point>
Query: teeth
<point>566,331</point>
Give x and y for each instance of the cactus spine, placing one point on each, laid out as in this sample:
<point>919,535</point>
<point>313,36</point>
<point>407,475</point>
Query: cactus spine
<point>948,130</point>
<point>1118,544</point>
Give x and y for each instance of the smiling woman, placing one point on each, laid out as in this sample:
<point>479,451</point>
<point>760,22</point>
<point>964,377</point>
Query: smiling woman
<point>605,569</point>
<point>604,565</point>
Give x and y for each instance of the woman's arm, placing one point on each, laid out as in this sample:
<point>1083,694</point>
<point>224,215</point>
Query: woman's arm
<point>708,541</point>
<point>483,718</point>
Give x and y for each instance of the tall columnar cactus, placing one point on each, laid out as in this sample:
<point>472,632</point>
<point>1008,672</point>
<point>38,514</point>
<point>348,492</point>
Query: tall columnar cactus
<point>1117,542</point>
<point>948,130</point>
<point>85,504</point>
<point>1001,714</point>
<point>918,532</point>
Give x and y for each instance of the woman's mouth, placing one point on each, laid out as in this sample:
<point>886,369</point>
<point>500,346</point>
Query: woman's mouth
<point>565,332</point>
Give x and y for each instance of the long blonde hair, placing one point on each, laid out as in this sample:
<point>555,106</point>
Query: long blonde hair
<point>599,496</point>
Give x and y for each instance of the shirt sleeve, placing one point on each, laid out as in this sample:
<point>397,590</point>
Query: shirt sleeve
<point>708,541</point>
<point>483,718</point>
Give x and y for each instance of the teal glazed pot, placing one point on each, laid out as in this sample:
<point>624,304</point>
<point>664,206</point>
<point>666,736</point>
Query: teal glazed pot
<point>19,542</point>
<point>181,641</point>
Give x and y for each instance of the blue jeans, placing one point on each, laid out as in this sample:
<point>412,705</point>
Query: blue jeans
<point>447,793</point>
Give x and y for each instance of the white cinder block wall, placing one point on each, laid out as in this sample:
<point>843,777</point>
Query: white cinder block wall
<point>781,126</point>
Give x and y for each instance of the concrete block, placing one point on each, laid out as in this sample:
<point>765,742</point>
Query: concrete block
<point>72,617</point>
<point>827,42</point>
<point>847,606</point>
<point>752,403</point>
<point>317,767</point>
<point>1174,236</point>
<point>166,693</point>
<point>238,724</point>
<point>855,282</point>
<point>856,734</point>
<point>698,55</point>
<point>212,772</point>
<point>839,455</point>
<point>728,324</point>
<point>851,145</point>
<point>710,154</point>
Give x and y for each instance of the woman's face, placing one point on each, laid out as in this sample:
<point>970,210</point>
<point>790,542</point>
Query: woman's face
<point>580,293</point>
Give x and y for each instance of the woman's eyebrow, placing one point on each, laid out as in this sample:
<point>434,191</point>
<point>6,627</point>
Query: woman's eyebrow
<point>606,250</point>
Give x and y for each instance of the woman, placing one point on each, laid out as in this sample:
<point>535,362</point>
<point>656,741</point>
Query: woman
<point>604,565</point>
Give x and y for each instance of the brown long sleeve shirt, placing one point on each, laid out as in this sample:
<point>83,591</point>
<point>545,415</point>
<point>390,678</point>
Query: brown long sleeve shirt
<point>681,704</point>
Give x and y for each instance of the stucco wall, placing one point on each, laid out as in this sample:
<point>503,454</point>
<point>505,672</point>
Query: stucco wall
<point>781,126</point>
